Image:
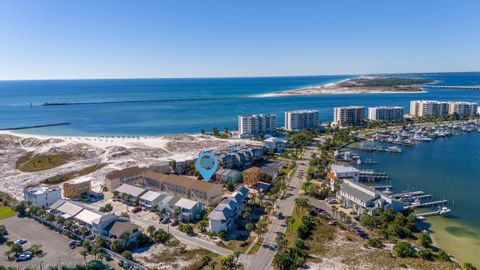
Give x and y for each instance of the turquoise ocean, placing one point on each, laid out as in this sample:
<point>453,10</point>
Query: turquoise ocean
<point>447,167</point>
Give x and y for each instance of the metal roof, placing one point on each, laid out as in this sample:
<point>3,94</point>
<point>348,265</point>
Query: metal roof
<point>131,190</point>
<point>357,193</point>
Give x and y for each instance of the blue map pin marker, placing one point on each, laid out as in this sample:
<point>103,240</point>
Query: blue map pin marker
<point>206,164</point>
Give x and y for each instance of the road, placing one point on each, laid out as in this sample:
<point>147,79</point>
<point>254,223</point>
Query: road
<point>264,257</point>
<point>182,237</point>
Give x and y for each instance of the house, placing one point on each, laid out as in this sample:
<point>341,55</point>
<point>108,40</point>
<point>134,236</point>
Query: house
<point>151,198</point>
<point>120,228</point>
<point>251,176</point>
<point>75,188</point>
<point>133,192</point>
<point>95,221</point>
<point>224,215</point>
<point>188,210</point>
<point>365,200</point>
<point>345,172</point>
<point>42,196</point>
<point>274,145</point>
<point>65,209</point>
<point>204,192</point>
<point>131,175</point>
<point>228,176</point>
<point>270,167</point>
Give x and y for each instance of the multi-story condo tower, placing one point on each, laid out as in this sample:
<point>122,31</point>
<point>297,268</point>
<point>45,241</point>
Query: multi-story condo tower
<point>421,108</point>
<point>348,116</point>
<point>385,113</point>
<point>256,124</point>
<point>299,120</point>
<point>462,108</point>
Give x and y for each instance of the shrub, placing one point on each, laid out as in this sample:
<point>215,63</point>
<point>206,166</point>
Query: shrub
<point>374,242</point>
<point>426,254</point>
<point>403,249</point>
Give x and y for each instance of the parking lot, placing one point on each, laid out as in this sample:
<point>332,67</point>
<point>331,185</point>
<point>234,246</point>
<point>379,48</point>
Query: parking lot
<point>54,245</point>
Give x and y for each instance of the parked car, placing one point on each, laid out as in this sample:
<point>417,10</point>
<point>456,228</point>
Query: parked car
<point>175,222</point>
<point>23,257</point>
<point>136,209</point>
<point>165,220</point>
<point>20,241</point>
<point>72,244</point>
<point>4,232</point>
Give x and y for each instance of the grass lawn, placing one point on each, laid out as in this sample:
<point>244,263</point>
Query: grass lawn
<point>28,163</point>
<point>238,245</point>
<point>6,212</point>
<point>256,247</point>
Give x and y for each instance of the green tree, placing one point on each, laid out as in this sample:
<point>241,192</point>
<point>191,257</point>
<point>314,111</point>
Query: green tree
<point>230,187</point>
<point>202,225</point>
<point>84,253</point>
<point>374,242</point>
<point>116,245</point>
<point>127,254</point>
<point>426,254</point>
<point>425,239</point>
<point>468,266</point>
<point>151,230</point>
<point>161,236</point>
<point>443,256</point>
<point>403,249</point>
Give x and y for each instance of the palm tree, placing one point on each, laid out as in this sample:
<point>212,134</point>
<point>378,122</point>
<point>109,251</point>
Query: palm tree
<point>334,211</point>
<point>101,256</point>
<point>84,253</point>
<point>151,230</point>
<point>289,221</point>
<point>236,254</point>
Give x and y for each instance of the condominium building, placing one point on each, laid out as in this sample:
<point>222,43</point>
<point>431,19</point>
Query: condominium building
<point>222,218</point>
<point>299,120</point>
<point>75,188</point>
<point>207,193</point>
<point>256,124</point>
<point>130,175</point>
<point>239,157</point>
<point>423,108</point>
<point>462,108</point>
<point>385,113</point>
<point>348,116</point>
<point>42,196</point>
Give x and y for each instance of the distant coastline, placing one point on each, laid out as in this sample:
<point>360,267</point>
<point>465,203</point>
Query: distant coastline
<point>359,85</point>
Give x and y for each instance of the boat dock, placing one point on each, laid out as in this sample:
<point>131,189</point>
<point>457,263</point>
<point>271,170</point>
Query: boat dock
<point>381,187</point>
<point>372,176</point>
<point>411,193</point>
<point>426,204</point>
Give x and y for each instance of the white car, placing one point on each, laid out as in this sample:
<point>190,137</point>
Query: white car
<point>20,241</point>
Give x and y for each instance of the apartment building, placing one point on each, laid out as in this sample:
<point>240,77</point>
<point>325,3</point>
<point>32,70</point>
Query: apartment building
<point>42,196</point>
<point>425,108</point>
<point>206,193</point>
<point>385,113</point>
<point>75,188</point>
<point>225,214</point>
<point>302,119</point>
<point>462,108</point>
<point>256,124</point>
<point>239,158</point>
<point>348,116</point>
<point>131,175</point>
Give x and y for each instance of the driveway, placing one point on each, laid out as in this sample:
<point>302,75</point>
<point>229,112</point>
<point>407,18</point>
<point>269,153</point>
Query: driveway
<point>54,244</point>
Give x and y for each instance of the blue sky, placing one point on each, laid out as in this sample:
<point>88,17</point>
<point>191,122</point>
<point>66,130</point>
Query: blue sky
<point>129,39</point>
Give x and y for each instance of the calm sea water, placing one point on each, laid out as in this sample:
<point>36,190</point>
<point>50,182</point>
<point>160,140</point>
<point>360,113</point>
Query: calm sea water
<point>177,106</point>
<point>447,168</point>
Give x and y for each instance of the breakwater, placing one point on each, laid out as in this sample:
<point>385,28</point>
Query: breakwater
<point>37,126</point>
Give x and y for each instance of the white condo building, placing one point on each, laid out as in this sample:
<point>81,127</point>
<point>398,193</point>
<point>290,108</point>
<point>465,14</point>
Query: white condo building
<point>462,108</point>
<point>348,116</point>
<point>385,113</point>
<point>422,108</point>
<point>256,124</point>
<point>42,196</point>
<point>299,120</point>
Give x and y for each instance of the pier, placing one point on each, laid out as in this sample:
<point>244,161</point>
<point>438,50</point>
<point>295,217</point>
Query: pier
<point>412,193</point>
<point>372,176</point>
<point>37,126</point>
<point>381,187</point>
<point>426,204</point>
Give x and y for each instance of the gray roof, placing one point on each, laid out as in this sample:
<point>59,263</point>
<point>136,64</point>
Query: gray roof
<point>131,190</point>
<point>70,208</point>
<point>357,193</point>
<point>120,227</point>
<point>57,204</point>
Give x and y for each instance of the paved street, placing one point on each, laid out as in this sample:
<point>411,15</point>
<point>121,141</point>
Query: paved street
<point>144,219</point>
<point>264,257</point>
<point>54,244</point>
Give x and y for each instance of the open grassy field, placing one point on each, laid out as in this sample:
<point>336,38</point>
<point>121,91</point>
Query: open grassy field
<point>6,212</point>
<point>30,163</point>
<point>67,176</point>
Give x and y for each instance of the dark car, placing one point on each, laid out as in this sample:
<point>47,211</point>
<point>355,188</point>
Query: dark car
<point>175,222</point>
<point>280,216</point>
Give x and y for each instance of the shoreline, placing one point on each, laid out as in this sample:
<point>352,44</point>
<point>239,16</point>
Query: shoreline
<point>347,86</point>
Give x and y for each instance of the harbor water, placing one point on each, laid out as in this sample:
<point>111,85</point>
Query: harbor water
<point>448,169</point>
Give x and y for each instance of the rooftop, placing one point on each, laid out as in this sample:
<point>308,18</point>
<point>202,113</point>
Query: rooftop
<point>343,169</point>
<point>181,181</point>
<point>152,195</point>
<point>120,227</point>
<point>131,190</point>
<point>37,190</point>
<point>186,203</point>
<point>125,172</point>
<point>88,216</point>
<point>357,191</point>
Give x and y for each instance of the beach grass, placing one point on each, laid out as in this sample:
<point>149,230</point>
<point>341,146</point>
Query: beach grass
<point>57,179</point>
<point>6,212</point>
<point>30,163</point>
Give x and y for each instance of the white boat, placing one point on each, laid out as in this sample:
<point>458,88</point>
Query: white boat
<point>420,217</point>
<point>444,210</point>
